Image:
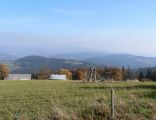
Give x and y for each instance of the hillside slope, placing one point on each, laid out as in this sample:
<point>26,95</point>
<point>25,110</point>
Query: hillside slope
<point>31,64</point>
<point>119,60</point>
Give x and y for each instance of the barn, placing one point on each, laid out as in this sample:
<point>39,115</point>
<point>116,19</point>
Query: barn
<point>58,77</point>
<point>18,77</point>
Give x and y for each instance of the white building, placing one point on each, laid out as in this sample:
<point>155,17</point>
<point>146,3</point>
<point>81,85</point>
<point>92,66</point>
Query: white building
<point>18,77</point>
<point>58,77</point>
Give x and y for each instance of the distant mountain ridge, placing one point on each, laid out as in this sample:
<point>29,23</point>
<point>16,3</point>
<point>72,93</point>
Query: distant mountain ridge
<point>127,60</point>
<point>79,56</point>
<point>31,64</point>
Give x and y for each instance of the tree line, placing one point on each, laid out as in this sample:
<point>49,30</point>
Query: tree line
<point>107,73</point>
<point>146,74</point>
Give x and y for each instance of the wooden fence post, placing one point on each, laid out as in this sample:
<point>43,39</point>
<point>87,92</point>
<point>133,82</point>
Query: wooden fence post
<point>112,103</point>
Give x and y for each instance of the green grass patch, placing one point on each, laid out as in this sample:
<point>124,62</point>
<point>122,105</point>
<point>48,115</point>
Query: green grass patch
<point>48,100</point>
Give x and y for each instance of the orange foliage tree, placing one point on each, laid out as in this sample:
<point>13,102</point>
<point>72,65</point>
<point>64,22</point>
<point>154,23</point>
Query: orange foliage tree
<point>81,74</point>
<point>67,73</point>
<point>111,73</point>
<point>4,71</point>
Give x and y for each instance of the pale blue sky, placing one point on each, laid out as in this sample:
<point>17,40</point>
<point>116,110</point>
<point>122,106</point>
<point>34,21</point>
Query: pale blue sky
<point>121,26</point>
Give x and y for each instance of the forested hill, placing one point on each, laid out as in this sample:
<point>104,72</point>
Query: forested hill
<point>31,64</point>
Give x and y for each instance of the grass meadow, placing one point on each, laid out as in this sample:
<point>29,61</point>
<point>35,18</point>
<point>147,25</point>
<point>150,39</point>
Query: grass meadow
<point>72,100</point>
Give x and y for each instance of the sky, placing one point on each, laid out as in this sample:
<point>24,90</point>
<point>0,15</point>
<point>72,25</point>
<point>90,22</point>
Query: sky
<point>68,26</point>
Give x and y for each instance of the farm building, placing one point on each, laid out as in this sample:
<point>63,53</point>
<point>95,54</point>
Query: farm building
<point>58,77</point>
<point>18,77</point>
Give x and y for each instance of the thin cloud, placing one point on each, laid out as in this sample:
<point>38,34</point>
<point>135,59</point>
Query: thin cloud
<point>25,22</point>
<point>73,13</point>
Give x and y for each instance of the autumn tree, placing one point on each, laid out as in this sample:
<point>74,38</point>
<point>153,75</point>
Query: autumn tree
<point>44,73</point>
<point>114,73</point>
<point>66,72</point>
<point>81,74</point>
<point>4,71</point>
<point>117,74</point>
<point>110,73</point>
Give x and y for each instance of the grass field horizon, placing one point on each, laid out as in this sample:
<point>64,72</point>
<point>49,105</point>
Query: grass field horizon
<point>73,100</point>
